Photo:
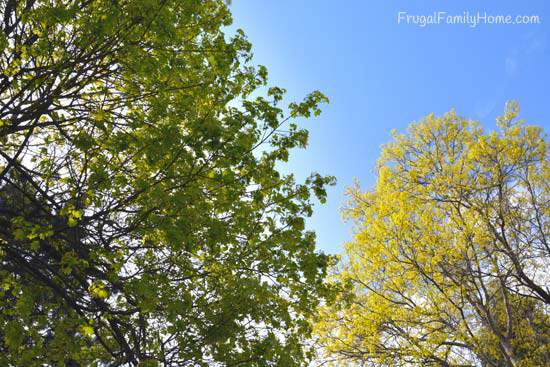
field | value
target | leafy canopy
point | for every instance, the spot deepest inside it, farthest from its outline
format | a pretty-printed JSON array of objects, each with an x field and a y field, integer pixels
[
  {"x": 142, "y": 217},
  {"x": 448, "y": 265}
]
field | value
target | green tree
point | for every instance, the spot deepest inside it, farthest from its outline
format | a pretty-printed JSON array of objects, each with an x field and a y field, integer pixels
[
  {"x": 448, "y": 266},
  {"x": 142, "y": 217}
]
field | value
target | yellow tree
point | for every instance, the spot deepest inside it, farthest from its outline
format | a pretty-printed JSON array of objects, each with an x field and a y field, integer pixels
[{"x": 447, "y": 265}]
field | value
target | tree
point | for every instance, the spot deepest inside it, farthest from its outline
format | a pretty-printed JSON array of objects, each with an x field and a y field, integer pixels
[
  {"x": 142, "y": 217},
  {"x": 449, "y": 262}
]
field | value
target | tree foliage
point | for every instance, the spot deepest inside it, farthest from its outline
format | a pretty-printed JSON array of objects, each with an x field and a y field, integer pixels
[
  {"x": 143, "y": 220},
  {"x": 449, "y": 262}
]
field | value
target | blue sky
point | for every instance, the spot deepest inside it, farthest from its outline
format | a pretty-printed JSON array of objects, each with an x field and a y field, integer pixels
[{"x": 381, "y": 75}]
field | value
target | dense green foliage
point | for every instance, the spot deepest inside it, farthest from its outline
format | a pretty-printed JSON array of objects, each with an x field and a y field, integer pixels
[{"x": 142, "y": 217}]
